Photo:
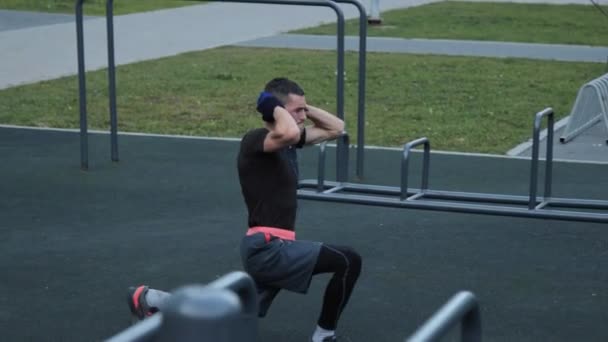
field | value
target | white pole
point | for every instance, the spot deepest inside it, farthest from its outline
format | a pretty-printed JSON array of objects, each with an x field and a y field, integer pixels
[{"x": 374, "y": 13}]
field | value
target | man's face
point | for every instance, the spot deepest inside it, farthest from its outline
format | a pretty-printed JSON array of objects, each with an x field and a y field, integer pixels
[{"x": 296, "y": 106}]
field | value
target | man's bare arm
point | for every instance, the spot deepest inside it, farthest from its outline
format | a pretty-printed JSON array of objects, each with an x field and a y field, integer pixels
[
  {"x": 283, "y": 131},
  {"x": 326, "y": 126}
]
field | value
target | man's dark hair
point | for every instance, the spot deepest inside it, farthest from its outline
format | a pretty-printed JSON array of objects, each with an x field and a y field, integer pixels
[{"x": 281, "y": 87}]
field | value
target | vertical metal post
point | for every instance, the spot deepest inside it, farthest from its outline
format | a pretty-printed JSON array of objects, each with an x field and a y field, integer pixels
[
  {"x": 341, "y": 149},
  {"x": 425, "y": 166},
  {"x": 82, "y": 90},
  {"x": 405, "y": 165},
  {"x": 549, "y": 157},
  {"x": 534, "y": 162},
  {"x": 112, "y": 80},
  {"x": 361, "y": 84},
  {"x": 361, "y": 96},
  {"x": 343, "y": 169},
  {"x": 321, "y": 167}
]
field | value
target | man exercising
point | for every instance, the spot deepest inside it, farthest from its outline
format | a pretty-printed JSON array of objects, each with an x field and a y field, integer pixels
[{"x": 268, "y": 174}]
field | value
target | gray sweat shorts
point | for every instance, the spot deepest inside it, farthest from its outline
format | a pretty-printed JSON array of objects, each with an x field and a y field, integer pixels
[{"x": 279, "y": 264}]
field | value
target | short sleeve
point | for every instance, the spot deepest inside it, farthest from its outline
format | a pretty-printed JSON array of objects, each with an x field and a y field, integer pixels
[{"x": 253, "y": 141}]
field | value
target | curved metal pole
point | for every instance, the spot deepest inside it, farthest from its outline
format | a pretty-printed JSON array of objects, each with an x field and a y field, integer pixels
[
  {"x": 342, "y": 151},
  {"x": 243, "y": 285},
  {"x": 82, "y": 90},
  {"x": 548, "y": 112},
  {"x": 361, "y": 83},
  {"x": 405, "y": 167}
]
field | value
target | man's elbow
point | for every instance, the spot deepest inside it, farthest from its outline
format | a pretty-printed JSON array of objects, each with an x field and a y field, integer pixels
[
  {"x": 338, "y": 130},
  {"x": 291, "y": 136},
  {"x": 341, "y": 127}
]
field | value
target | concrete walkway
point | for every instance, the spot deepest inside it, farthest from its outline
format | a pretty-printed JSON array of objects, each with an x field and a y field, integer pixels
[
  {"x": 152, "y": 35},
  {"x": 568, "y": 53}
]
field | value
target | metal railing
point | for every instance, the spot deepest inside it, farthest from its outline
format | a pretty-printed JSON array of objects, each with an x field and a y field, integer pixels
[
  {"x": 222, "y": 311},
  {"x": 462, "y": 308},
  {"x": 590, "y": 106},
  {"x": 467, "y": 202},
  {"x": 84, "y": 157}
]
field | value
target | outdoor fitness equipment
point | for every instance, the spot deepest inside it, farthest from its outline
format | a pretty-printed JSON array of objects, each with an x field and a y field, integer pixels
[
  {"x": 84, "y": 158},
  {"x": 468, "y": 202},
  {"x": 222, "y": 311}
]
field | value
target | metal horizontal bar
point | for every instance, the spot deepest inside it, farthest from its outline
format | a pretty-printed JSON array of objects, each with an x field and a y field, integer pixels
[
  {"x": 454, "y": 207},
  {"x": 462, "y": 308},
  {"x": 462, "y": 196},
  {"x": 578, "y": 203}
]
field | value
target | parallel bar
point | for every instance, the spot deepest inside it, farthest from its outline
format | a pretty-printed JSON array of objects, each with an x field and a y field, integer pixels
[
  {"x": 82, "y": 88},
  {"x": 461, "y": 308},
  {"x": 460, "y": 196},
  {"x": 422, "y": 198},
  {"x": 455, "y": 207},
  {"x": 405, "y": 165},
  {"x": 342, "y": 150},
  {"x": 578, "y": 203}
]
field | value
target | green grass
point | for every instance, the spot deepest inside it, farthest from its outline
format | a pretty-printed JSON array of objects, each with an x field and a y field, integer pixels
[
  {"x": 93, "y": 7},
  {"x": 533, "y": 23},
  {"x": 461, "y": 104}
]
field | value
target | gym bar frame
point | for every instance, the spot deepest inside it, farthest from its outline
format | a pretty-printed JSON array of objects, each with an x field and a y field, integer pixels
[
  {"x": 84, "y": 159},
  {"x": 466, "y": 202}
]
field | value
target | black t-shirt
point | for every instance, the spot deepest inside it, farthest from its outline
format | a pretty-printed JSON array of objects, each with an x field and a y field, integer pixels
[{"x": 268, "y": 182}]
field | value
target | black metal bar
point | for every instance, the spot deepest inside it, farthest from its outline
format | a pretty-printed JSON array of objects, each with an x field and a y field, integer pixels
[
  {"x": 405, "y": 165},
  {"x": 82, "y": 90},
  {"x": 578, "y": 203},
  {"x": 462, "y": 308},
  {"x": 535, "y": 148},
  {"x": 549, "y": 155},
  {"x": 344, "y": 141},
  {"x": 341, "y": 151},
  {"x": 460, "y": 196},
  {"x": 321, "y": 167},
  {"x": 454, "y": 207},
  {"x": 361, "y": 83},
  {"x": 112, "y": 80}
]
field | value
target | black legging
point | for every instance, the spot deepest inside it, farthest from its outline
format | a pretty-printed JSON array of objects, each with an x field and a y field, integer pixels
[{"x": 345, "y": 264}]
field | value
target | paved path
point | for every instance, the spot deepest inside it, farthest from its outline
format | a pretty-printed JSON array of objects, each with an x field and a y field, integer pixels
[
  {"x": 14, "y": 20},
  {"x": 569, "y": 53},
  {"x": 152, "y": 35}
]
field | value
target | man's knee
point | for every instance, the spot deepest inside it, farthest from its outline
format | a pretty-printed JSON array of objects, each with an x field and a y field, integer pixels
[{"x": 354, "y": 259}]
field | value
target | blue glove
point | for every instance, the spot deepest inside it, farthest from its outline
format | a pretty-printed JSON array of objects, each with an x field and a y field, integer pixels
[{"x": 266, "y": 105}]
